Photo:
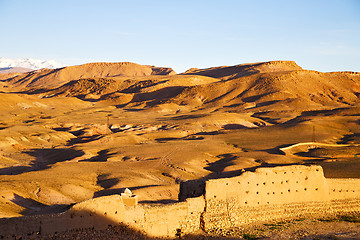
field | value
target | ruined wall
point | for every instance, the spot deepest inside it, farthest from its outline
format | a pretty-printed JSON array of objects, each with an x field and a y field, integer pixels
[
  {"x": 191, "y": 189},
  {"x": 268, "y": 194},
  {"x": 343, "y": 188},
  {"x": 279, "y": 185},
  {"x": 278, "y": 193},
  {"x": 99, "y": 213},
  {"x": 95, "y": 213},
  {"x": 168, "y": 220}
]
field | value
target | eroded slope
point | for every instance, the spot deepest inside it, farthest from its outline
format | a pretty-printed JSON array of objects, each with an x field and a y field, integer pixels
[{"x": 110, "y": 127}]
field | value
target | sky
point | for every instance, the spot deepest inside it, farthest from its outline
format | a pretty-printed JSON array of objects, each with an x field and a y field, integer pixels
[{"x": 322, "y": 35}]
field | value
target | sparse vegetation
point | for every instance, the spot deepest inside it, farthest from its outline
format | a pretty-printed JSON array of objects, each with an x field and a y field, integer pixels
[
  {"x": 249, "y": 236},
  {"x": 354, "y": 218},
  {"x": 350, "y": 218},
  {"x": 56, "y": 132}
]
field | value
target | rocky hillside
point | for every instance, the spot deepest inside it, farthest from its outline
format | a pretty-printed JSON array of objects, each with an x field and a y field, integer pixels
[
  {"x": 276, "y": 85},
  {"x": 231, "y": 72},
  {"x": 15, "y": 70},
  {"x": 53, "y": 78}
]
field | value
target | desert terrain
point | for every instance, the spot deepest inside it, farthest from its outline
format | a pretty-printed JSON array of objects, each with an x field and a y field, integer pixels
[{"x": 81, "y": 132}]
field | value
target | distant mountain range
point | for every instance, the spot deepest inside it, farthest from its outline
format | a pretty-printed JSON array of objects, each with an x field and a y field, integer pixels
[
  {"x": 28, "y": 63},
  {"x": 266, "y": 86},
  {"x": 53, "y": 78},
  {"x": 15, "y": 70}
]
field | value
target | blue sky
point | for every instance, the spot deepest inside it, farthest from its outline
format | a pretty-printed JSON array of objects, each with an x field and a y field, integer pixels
[{"x": 322, "y": 35}]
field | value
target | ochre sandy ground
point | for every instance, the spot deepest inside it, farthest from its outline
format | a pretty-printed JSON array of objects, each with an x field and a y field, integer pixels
[{"x": 99, "y": 135}]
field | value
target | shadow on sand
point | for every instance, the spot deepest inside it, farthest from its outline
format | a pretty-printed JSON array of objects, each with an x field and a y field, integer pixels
[
  {"x": 32, "y": 207},
  {"x": 44, "y": 159},
  {"x": 102, "y": 156},
  {"x": 217, "y": 168}
]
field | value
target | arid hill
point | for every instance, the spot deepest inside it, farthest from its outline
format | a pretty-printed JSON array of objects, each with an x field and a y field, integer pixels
[
  {"x": 300, "y": 89},
  {"x": 15, "y": 70},
  {"x": 75, "y": 133},
  {"x": 52, "y": 78},
  {"x": 11, "y": 72},
  {"x": 231, "y": 72},
  {"x": 258, "y": 86},
  {"x": 112, "y": 87}
]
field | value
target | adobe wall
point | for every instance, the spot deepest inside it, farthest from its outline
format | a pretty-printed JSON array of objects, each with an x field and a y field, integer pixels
[
  {"x": 279, "y": 185},
  {"x": 191, "y": 189},
  {"x": 99, "y": 213},
  {"x": 343, "y": 188},
  {"x": 268, "y": 194},
  {"x": 168, "y": 220},
  {"x": 279, "y": 193},
  {"x": 95, "y": 213}
]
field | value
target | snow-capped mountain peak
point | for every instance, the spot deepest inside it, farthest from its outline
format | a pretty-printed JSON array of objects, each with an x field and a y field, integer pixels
[{"x": 29, "y": 63}]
